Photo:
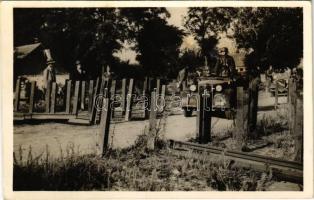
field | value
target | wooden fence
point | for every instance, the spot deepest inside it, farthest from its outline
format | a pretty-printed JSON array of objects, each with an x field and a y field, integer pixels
[{"x": 81, "y": 100}]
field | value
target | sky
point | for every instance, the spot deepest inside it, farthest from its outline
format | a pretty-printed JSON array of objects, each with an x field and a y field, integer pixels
[{"x": 176, "y": 19}]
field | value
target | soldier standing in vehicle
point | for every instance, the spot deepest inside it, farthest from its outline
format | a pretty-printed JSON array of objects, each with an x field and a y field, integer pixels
[{"x": 225, "y": 65}]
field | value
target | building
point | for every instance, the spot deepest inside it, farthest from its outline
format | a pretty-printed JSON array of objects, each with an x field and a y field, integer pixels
[{"x": 30, "y": 62}]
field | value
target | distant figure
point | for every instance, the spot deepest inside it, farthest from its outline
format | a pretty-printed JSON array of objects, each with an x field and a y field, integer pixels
[
  {"x": 49, "y": 74},
  {"x": 182, "y": 75},
  {"x": 269, "y": 76},
  {"x": 225, "y": 65},
  {"x": 78, "y": 74},
  {"x": 107, "y": 73}
]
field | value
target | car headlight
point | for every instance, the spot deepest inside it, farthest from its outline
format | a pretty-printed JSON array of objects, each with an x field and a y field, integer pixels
[
  {"x": 218, "y": 88},
  {"x": 193, "y": 88}
]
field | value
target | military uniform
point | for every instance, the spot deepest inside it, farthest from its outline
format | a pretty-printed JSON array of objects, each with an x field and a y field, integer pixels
[{"x": 225, "y": 66}]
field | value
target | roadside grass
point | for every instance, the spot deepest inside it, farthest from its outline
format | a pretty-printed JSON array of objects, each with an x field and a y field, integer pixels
[{"x": 134, "y": 169}]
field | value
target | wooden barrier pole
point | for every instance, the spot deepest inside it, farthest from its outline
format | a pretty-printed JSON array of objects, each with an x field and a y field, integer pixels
[
  {"x": 129, "y": 101},
  {"x": 68, "y": 97},
  {"x": 104, "y": 140},
  {"x": 152, "y": 131},
  {"x": 53, "y": 97},
  {"x": 90, "y": 95},
  {"x": 83, "y": 95},
  {"x": 48, "y": 88},
  {"x": 31, "y": 97},
  {"x": 276, "y": 95},
  {"x": 123, "y": 95},
  {"x": 75, "y": 98},
  {"x": 17, "y": 94}
]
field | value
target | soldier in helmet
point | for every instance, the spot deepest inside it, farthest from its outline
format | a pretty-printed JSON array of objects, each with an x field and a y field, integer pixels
[{"x": 225, "y": 65}]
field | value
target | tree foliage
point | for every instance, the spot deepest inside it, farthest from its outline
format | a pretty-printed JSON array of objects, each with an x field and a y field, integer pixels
[
  {"x": 206, "y": 24},
  {"x": 93, "y": 35},
  {"x": 273, "y": 35}
]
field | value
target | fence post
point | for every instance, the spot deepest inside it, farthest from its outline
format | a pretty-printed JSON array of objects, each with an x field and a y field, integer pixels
[
  {"x": 129, "y": 101},
  {"x": 241, "y": 118},
  {"x": 93, "y": 108},
  {"x": 68, "y": 97},
  {"x": 101, "y": 92},
  {"x": 104, "y": 138},
  {"x": 204, "y": 116},
  {"x": 123, "y": 93},
  {"x": 144, "y": 96},
  {"x": 31, "y": 97},
  {"x": 157, "y": 87},
  {"x": 48, "y": 88},
  {"x": 298, "y": 130},
  {"x": 152, "y": 131},
  {"x": 276, "y": 95},
  {"x": 83, "y": 95},
  {"x": 90, "y": 95},
  {"x": 53, "y": 97},
  {"x": 17, "y": 94},
  {"x": 163, "y": 96},
  {"x": 75, "y": 98},
  {"x": 112, "y": 95},
  {"x": 252, "y": 106}
]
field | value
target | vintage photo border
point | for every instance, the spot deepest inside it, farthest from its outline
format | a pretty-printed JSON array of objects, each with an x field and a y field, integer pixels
[{"x": 6, "y": 72}]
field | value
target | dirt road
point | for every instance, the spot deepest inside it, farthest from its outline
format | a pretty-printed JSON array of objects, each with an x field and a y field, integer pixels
[{"x": 61, "y": 137}]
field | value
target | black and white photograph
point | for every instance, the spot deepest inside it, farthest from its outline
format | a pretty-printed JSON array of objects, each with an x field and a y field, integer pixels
[{"x": 158, "y": 98}]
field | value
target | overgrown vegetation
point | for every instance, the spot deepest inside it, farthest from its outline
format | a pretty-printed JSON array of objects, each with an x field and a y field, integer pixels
[{"x": 135, "y": 169}]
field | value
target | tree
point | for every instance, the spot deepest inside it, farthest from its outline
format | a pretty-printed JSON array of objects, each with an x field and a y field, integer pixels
[
  {"x": 91, "y": 35},
  {"x": 156, "y": 42},
  {"x": 274, "y": 36},
  {"x": 205, "y": 24},
  {"x": 158, "y": 46}
]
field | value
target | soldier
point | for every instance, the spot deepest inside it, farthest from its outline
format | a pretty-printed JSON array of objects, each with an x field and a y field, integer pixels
[
  {"x": 225, "y": 65},
  {"x": 78, "y": 74},
  {"x": 49, "y": 74}
]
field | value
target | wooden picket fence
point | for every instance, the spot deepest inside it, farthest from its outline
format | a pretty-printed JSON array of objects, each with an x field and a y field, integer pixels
[{"x": 78, "y": 100}]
